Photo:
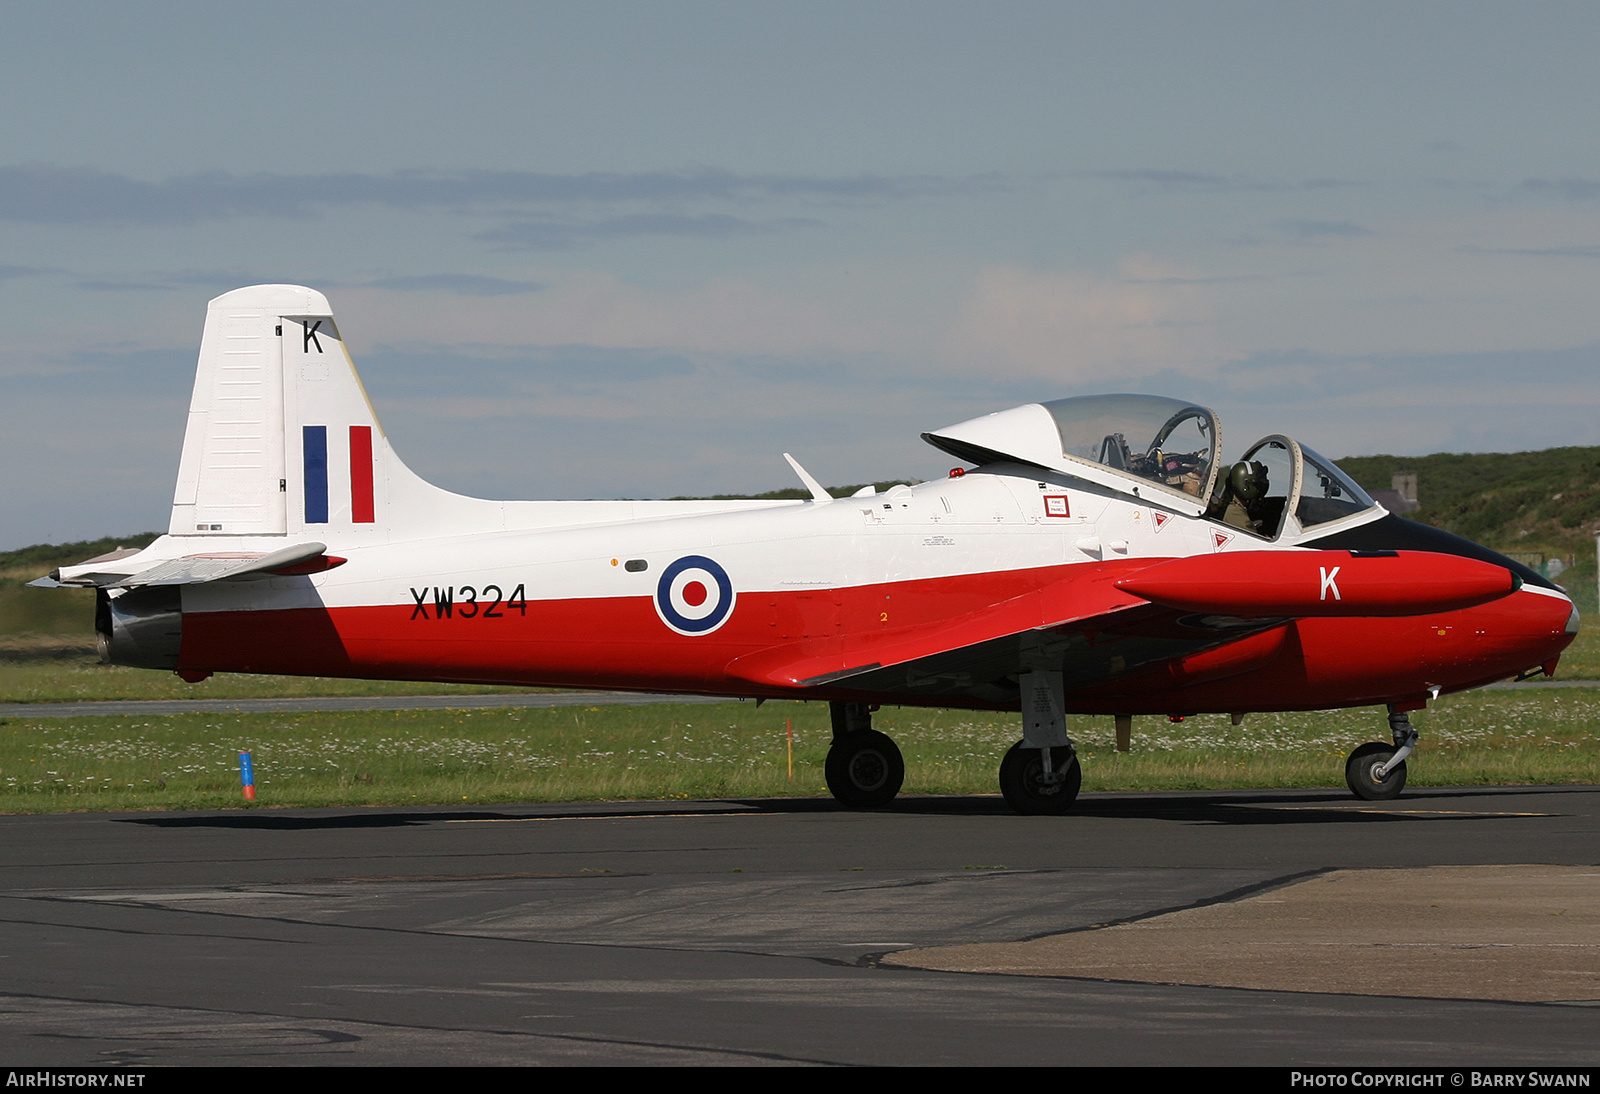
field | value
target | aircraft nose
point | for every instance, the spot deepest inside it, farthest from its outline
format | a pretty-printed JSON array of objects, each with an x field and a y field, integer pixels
[{"x": 1544, "y": 626}]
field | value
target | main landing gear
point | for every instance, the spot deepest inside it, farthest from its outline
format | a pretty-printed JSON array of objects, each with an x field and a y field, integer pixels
[
  {"x": 1377, "y": 772},
  {"x": 1040, "y": 775},
  {"x": 1040, "y": 781},
  {"x": 864, "y": 768}
]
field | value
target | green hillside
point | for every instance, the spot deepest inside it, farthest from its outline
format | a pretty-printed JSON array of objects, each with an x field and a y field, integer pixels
[
  {"x": 1535, "y": 502},
  {"x": 796, "y": 493},
  {"x": 35, "y": 617}
]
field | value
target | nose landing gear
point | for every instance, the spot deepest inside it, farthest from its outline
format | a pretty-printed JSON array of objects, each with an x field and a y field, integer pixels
[{"x": 1377, "y": 772}]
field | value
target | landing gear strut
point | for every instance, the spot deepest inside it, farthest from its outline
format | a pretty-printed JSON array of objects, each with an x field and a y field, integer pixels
[
  {"x": 1377, "y": 772},
  {"x": 864, "y": 768},
  {"x": 1040, "y": 775}
]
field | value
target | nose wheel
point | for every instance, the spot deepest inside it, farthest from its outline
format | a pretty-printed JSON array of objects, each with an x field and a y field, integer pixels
[
  {"x": 1361, "y": 773},
  {"x": 1377, "y": 772}
]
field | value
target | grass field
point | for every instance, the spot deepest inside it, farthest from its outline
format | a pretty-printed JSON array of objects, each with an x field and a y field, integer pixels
[{"x": 735, "y": 750}]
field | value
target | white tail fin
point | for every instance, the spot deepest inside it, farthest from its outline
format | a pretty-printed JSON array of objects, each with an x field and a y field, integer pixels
[{"x": 281, "y": 437}]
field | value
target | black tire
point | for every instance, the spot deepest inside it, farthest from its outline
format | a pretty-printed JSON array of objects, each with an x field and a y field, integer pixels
[
  {"x": 865, "y": 769},
  {"x": 1021, "y": 781},
  {"x": 1363, "y": 783}
]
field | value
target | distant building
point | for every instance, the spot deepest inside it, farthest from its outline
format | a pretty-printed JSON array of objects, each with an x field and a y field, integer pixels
[
  {"x": 1536, "y": 560},
  {"x": 1401, "y": 499}
]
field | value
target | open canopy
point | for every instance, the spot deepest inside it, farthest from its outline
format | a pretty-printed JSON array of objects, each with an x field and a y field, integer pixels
[{"x": 1166, "y": 451}]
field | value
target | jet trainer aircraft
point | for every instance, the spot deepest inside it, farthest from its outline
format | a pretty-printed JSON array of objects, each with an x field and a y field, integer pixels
[{"x": 1099, "y": 558}]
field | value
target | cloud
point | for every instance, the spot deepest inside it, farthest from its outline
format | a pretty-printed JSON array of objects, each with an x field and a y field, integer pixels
[
  {"x": 506, "y": 371},
  {"x": 120, "y": 370},
  {"x": 1566, "y": 189},
  {"x": 11, "y": 273},
  {"x": 460, "y": 284},
  {"x": 550, "y": 235},
  {"x": 47, "y": 194},
  {"x": 1196, "y": 182},
  {"x": 175, "y": 280},
  {"x": 1071, "y": 327},
  {"x": 1219, "y": 279},
  {"x": 1591, "y": 251},
  {"x": 1322, "y": 229},
  {"x": 125, "y": 286},
  {"x": 720, "y": 315},
  {"x": 219, "y": 280}
]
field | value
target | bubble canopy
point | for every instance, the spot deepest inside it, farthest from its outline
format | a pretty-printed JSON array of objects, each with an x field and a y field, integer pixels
[
  {"x": 1167, "y": 452},
  {"x": 1146, "y": 440}
]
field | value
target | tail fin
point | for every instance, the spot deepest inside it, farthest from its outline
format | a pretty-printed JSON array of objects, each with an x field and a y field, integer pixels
[{"x": 282, "y": 439}]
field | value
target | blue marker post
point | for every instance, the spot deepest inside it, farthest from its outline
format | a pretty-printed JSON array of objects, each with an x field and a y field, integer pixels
[{"x": 246, "y": 777}]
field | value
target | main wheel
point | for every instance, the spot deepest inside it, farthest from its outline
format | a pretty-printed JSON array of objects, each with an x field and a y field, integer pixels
[
  {"x": 1362, "y": 778},
  {"x": 864, "y": 769},
  {"x": 1022, "y": 780}
]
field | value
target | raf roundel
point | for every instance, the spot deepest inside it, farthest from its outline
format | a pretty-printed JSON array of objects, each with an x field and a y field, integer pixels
[{"x": 694, "y": 595}]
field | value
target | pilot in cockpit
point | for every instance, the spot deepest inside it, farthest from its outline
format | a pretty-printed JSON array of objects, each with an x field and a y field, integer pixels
[{"x": 1237, "y": 503}]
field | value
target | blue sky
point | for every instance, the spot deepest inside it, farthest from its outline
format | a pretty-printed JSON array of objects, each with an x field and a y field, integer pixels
[{"x": 602, "y": 250}]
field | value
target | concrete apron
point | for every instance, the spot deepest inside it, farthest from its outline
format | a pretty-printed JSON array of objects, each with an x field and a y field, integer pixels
[{"x": 1517, "y": 933}]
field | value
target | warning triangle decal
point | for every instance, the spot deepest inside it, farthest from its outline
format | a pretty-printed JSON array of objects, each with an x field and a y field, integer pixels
[
  {"x": 1160, "y": 518},
  {"x": 1221, "y": 538}
]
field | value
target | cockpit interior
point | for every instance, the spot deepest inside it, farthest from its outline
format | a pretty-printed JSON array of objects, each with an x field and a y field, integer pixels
[{"x": 1273, "y": 478}]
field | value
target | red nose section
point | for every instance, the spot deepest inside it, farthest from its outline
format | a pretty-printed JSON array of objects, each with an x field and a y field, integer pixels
[{"x": 1321, "y": 583}]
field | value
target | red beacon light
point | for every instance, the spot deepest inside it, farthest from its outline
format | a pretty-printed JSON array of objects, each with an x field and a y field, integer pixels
[{"x": 957, "y": 472}]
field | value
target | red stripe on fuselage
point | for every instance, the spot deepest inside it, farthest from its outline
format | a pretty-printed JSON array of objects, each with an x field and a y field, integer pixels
[
  {"x": 620, "y": 642},
  {"x": 615, "y": 641}
]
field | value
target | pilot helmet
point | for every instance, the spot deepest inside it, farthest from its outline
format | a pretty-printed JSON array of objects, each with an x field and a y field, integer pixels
[{"x": 1248, "y": 479}]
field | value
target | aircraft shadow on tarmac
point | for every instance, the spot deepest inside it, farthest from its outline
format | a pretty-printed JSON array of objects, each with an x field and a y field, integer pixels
[{"x": 1231, "y": 808}]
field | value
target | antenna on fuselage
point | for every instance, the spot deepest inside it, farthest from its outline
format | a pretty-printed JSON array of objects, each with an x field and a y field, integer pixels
[{"x": 818, "y": 494}]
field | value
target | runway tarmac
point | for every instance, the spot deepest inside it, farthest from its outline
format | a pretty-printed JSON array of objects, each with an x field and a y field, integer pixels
[{"x": 751, "y": 932}]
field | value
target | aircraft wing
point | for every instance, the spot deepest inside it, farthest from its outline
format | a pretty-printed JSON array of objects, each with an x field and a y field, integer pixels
[
  {"x": 303, "y": 558},
  {"x": 1189, "y": 618},
  {"x": 973, "y": 655}
]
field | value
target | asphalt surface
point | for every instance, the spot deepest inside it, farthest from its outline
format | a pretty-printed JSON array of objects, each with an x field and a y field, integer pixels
[
  {"x": 1512, "y": 933},
  {"x": 758, "y": 932}
]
